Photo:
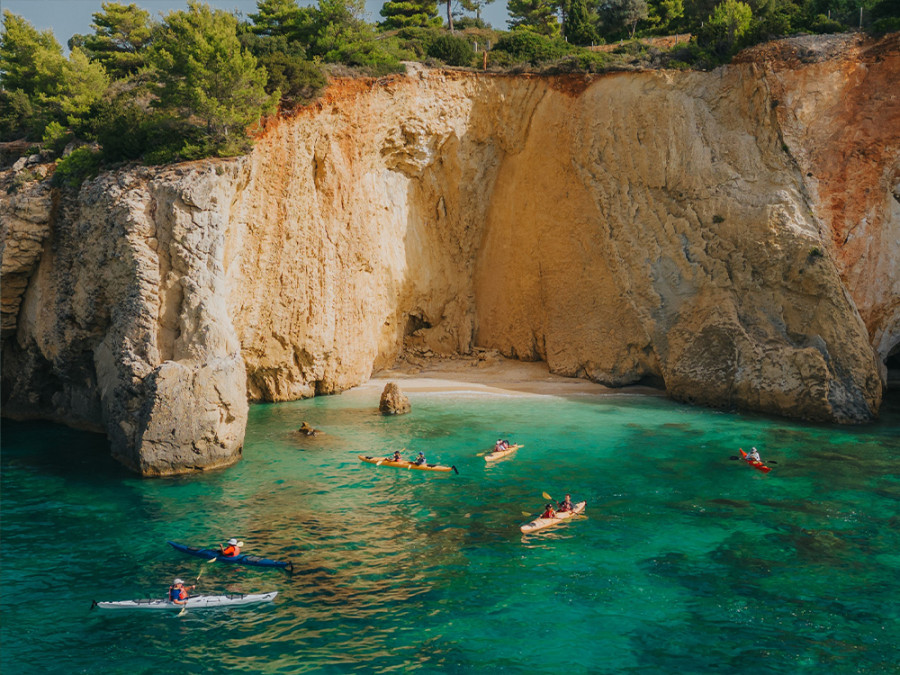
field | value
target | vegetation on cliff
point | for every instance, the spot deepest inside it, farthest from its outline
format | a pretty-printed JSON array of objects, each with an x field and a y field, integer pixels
[{"x": 198, "y": 82}]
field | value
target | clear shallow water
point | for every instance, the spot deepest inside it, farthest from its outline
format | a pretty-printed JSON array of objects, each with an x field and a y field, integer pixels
[{"x": 687, "y": 562}]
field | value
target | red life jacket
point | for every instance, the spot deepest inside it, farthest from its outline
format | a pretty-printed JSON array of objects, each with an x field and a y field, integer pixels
[{"x": 231, "y": 551}]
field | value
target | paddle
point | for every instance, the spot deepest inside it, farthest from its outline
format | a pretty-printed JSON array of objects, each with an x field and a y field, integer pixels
[{"x": 200, "y": 574}]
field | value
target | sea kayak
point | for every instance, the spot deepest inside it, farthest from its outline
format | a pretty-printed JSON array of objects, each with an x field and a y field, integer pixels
[
  {"x": 193, "y": 602},
  {"x": 759, "y": 466},
  {"x": 491, "y": 456},
  {"x": 541, "y": 523},
  {"x": 241, "y": 559},
  {"x": 404, "y": 464}
]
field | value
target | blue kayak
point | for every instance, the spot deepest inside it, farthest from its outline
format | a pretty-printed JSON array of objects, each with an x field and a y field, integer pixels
[{"x": 241, "y": 559}]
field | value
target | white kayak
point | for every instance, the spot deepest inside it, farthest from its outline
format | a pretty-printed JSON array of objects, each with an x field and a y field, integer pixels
[
  {"x": 491, "y": 456},
  {"x": 193, "y": 602},
  {"x": 541, "y": 523}
]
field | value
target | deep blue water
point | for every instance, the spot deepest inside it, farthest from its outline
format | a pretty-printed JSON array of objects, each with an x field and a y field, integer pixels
[{"x": 688, "y": 561}]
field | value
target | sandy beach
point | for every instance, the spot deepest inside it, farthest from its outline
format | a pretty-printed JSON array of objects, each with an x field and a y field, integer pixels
[{"x": 489, "y": 373}]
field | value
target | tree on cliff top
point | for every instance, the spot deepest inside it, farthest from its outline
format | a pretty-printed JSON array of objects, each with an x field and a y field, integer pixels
[
  {"x": 120, "y": 35},
  {"x": 409, "y": 14},
  {"x": 538, "y": 16},
  {"x": 204, "y": 73},
  {"x": 39, "y": 84}
]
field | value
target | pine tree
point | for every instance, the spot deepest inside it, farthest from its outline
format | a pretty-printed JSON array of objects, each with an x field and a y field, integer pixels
[
  {"x": 206, "y": 74},
  {"x": 535, "y": 15},
  {"x": 409, "y": 13},
  {"x": 120, "y": 36}
]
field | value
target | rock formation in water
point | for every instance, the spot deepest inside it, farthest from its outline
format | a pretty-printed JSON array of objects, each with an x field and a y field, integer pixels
[
  {"x": 393, "y": 401},
  {"x": 732, "y": 235}
]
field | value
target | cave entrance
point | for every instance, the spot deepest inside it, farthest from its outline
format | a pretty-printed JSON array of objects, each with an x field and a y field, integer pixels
[{"x": 892, "y": 363}]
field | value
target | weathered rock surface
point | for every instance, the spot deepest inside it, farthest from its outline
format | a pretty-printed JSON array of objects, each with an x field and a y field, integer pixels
[
  {"x": 123, "y": 327},
  {"x": 393, "y": 401},
  {"x": 732, "y": 235}
]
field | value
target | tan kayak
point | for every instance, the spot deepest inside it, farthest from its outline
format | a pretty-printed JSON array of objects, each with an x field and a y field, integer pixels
[
  {"x": 404, "y": 464},
  {"x": 490, "y": 457},
  {"x": 541, "y": 523}
]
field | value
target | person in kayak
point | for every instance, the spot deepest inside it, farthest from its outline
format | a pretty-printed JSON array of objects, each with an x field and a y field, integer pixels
[
  {"x": 549, "y": 512},
  {"x": 396, "y": 457},
  {"x": 232, "y": 549},
  {"x": 500, "y": 445},
  {"x": 178, "y": 592},
  {"x": 420, "y": 460},
  {"x": 566, "y": 504},
  {"x": 753, "y": 456}
]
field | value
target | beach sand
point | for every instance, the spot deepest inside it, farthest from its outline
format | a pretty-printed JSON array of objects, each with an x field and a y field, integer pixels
[{"x": 488, "y": 372}]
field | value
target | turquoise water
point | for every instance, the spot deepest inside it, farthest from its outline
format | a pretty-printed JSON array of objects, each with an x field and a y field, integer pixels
[{"x": 688, "y": 562}]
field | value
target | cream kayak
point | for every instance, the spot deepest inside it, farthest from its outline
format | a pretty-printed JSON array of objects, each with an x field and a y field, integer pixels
[
  {"x": 541, "y": 523},
  {"x": 193, "y": 602},
  {"x": 404, "y": 464},
  {"x": 491, "y": 456}
]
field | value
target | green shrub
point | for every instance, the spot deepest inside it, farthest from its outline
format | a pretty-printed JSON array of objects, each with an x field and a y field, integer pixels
[
  {"x": 81, "y": 164},
  {"x": 823, "y": 25},
  {"x": 418, "y": 40},
  {"x": 452, "y": 50},
  {"x": 525, "y": 46},
  {"x": 56, "y": 137},
  {"x": 889, "y": 24},
  {"x": 298, "y": 80}
]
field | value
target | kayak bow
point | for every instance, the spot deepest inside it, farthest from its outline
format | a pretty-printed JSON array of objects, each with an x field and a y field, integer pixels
[
  {"x": 240, "y": 559},
  {"x": 194, "y": 602},
  {"x": 541, "y": 523}
]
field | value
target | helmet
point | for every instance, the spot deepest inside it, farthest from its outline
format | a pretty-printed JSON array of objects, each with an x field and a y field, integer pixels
[
  {"x": 233, "y": 542},
  {"x": 177, "y": 581},
  {"x": 421, "y": 454}
]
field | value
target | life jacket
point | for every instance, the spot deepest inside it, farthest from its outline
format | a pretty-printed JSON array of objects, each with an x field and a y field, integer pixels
[
  {"x": 177, "y": 594},
  {"x": 549, "y": 513},
  {"x": 231, "y": 551},
  {"x": 565, "y": 506}
]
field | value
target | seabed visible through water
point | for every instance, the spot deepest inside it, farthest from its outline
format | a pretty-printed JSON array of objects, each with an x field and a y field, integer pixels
[{"x": 687, "y": 561}]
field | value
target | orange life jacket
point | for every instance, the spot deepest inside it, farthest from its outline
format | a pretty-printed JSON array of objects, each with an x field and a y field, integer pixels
[{"x": 231, "y": 551}]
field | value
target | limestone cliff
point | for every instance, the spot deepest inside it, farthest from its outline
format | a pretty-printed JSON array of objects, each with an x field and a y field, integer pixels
[{"x": 659, "y": 226}]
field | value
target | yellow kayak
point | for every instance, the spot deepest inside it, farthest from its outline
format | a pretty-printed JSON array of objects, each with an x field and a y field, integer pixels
[
  {"x": 541, "y": 523},
  {"x": 491, "y": 456},
  {"x": 404, "y": 464}
]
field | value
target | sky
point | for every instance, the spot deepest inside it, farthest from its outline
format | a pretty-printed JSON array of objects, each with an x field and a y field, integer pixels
[{"x": 68, "y": 17}]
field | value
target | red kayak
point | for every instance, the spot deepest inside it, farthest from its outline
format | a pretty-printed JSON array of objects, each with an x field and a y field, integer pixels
[{"x": 759, "y": 466}]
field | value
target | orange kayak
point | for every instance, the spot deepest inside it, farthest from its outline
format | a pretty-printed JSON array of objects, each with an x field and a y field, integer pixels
[
  {"x": 404, "y": 464},
  {"x": 759, "y": 466}
]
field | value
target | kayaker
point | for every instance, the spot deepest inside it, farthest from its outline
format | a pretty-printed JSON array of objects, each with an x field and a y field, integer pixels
[
  {"x": 753, "y": 456},
  {"x": 396, "y": 457},
  {"x": 566, "y": 504},
  {"x": 548, "y": 512},
  {"x": 500, "y": 445},
  {"x": 232, "y": 549},
  {"x": 178, "y": 592},
  {"x": 420, "y": 460}
]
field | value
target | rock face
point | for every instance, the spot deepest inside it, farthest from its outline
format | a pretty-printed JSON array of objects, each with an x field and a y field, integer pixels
[
  {"x": 732, "y": 235},
  {"x": 393, "y": 401},
  {"x": 123, "y": 327}
]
